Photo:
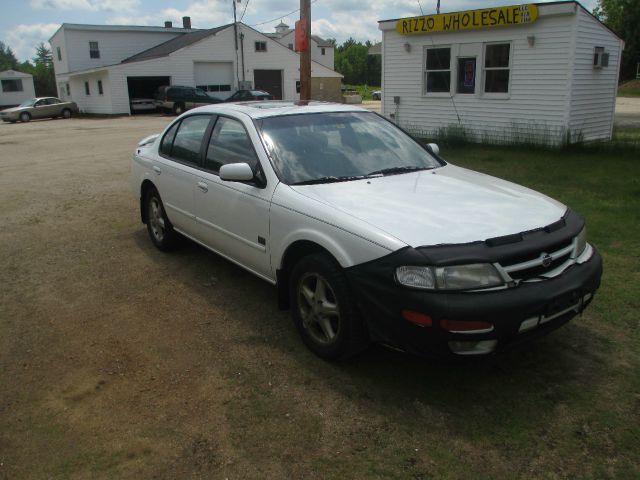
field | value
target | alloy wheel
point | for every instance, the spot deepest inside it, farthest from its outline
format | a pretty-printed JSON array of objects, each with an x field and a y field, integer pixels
[{"x": 318, "y": 308}]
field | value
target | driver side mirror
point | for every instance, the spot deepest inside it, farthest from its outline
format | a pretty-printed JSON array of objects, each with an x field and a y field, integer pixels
[
  {"x": 236, "y": 172},
  {"x": 433, "y": 148}
]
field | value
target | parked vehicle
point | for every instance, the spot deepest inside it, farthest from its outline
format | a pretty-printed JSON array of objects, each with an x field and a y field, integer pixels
[
  {"x": 368, "y": 234},
  {"x": 41, "y": 107},
  {"x": 377, "y": 95},
  {"x": 249, "y": 95},
  {"x": 178, "y": 99},
  {"x": 143, "y": 105}
]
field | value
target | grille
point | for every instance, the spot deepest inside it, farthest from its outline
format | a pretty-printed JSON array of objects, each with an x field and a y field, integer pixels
[{"x": 532, "y": 266}]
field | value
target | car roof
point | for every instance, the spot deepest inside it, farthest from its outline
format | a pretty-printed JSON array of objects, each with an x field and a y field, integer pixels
[{"x": 275, "y": 108}]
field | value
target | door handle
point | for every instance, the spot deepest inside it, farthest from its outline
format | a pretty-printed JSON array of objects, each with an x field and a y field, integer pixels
[
  {"x": 203, "y": 186},
  {"x": 157, "y": 170}
]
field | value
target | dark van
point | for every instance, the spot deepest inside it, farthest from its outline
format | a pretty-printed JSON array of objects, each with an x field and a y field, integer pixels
[{"x": 178, "y": 99}]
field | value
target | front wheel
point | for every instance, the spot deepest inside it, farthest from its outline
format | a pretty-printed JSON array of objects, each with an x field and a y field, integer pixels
[
  {"x": 161, "y": 232},
  {"x": 324, "y": 310},
  {"x": 25, "y": 117}
]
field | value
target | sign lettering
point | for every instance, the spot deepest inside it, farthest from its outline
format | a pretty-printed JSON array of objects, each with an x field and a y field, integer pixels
[{"x": 487, "y": 18}]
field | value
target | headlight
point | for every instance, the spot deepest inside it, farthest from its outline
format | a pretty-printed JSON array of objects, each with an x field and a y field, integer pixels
[
  {"x": 581, "y": 241},
  {"x": 417, "y": 277},
  {"x": 456, "y": 277}
]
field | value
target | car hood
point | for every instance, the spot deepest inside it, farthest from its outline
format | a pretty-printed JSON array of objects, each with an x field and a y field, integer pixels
[
  {"x": 447, "y": 205},
  {"x": 13, "y": 109}
]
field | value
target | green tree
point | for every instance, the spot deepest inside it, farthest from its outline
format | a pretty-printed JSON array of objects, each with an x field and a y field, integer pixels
[
  {"x": 8, "y": 60},
  {"x": 623, "y": 17},
  {"x": 43, "y": 55},
  {"x": 352, "y": 60}
]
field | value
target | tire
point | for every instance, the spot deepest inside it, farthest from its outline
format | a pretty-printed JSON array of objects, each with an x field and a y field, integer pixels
[
  {"x": 161, "y": 232},
  {"x": 66, "y": 113},
  {"x": 25, "y": 117},
  {"x": 178, "y": 109},
  {"x": 323, "y": 309}
]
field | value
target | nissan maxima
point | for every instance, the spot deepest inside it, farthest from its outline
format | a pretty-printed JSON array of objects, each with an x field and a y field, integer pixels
[{"x": 367, "y": 234}]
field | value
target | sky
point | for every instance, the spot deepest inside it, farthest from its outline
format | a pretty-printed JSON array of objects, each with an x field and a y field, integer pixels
[{"x": 25, "y": 23}]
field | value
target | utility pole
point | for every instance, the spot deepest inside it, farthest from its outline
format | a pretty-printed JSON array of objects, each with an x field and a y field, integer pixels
[
  {"x": 438, "y": 7},
  {"x": 235, "y": 37},
  {"x": 305, "y": 54}
]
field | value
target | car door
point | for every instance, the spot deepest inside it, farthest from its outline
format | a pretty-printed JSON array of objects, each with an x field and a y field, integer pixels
[
  {"x": 175, "y": 169},
  {"x": 40, "y": 109},
  {"x": 233, "y": 217}
]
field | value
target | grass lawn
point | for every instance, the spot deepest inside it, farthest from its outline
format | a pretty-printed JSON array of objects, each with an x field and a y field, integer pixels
[
  {"x": 629, "y": 89},
  {"x": 574, "y": 410}
]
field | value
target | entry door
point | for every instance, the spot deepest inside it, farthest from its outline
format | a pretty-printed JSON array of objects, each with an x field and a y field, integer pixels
[
  {"x": 269, "y": 81},
  {"x": 233, "y": 217}
]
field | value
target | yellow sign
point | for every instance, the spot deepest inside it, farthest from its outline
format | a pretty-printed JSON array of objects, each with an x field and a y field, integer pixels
[{"x": 451, "y": 22}]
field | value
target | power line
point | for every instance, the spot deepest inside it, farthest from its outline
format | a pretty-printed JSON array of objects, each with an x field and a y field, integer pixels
[
  {"x": 244, "y": 10},
  {"x": 420, "y": 5},
  {"x": 279, "y": 16}
]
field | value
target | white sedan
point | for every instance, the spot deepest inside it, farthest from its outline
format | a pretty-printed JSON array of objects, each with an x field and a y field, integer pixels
[{"x": 368, "y": 234}]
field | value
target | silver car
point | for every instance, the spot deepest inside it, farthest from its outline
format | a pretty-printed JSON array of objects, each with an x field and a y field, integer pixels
[{"x": 42, "y": 107}]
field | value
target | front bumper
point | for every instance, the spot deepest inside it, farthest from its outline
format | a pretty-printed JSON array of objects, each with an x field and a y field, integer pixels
[{"x": 517, "y": 314}]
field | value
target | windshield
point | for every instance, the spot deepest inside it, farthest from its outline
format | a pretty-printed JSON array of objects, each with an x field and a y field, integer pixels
[
  {"x": 340, "y": 146},
  {"x": 28, "y": 103}
]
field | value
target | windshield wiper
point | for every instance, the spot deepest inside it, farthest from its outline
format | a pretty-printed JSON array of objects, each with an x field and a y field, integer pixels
[
  {"x": 330, "y": 179},
  {"x": 395, "y": 170}
]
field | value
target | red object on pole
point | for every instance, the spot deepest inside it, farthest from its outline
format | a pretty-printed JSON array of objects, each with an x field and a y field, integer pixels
[{"x": 302, "y": 43}]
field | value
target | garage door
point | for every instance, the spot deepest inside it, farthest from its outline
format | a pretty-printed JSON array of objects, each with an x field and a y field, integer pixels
[
  {"x": 214, "y": 77},
  {"x": 269, "y": 81}
]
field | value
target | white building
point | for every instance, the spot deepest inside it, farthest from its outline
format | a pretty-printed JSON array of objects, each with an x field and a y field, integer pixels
[
  {"x": 102, "y": 67},
  {"x": 322, "y": 51},
  {"x": 15, "y": 88},
  {"x": 543, "y": 73}
]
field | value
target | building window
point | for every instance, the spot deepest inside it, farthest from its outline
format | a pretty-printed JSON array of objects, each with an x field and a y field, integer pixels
[
  {"x": 59, "y": 53},
  {"x": 322, "y": 52},
  {"x": 438, "y": 70},
  {"x": 496, "y": 68},
  {"x": 261, "y": 46},
  {"x": 86, "y": 88},
  {"x": 100, "y": 91},
  {"x": 94, "y": 51},
  {"x": 466, "y": 75},
  {"x": 13, "y": 85},
  {"x": 68, "y": 89},
  {"x": 291, "y": 46}
]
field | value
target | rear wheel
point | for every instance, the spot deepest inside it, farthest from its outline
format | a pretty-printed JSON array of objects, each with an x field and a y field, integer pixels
[
  {"x": 178, "y": 109},
  {"x": 159, "y": 227},
  {"x": 66, "y": 113},
  {"x": 25, "y": 117},
  {"x": 323, "y": 308}
]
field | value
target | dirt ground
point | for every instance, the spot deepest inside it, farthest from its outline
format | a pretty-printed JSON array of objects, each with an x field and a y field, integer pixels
[
  {"x": 627, "y": 112},
  {"x": 120, "y": 361}
]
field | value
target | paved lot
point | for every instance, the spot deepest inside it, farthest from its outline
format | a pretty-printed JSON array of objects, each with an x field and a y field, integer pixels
[{"x": 627, "y": 112}]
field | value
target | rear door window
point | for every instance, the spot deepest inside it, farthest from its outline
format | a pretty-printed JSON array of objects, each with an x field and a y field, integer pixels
[{"x": 187, "y": 144}]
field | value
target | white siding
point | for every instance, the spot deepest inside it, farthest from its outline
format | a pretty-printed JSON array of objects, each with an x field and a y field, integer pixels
[
  {"x": 94, "y": 102},
  {"x": 593, "y": 91},
  {"x": 16, "y": 98},
  {"x": 534, "y": 107},
  {"x": 114, "y": 47},
  {"x": 59, "y": 41},
  {"x": 316, "y": 51},
  {"x": 217, "y": 48}
]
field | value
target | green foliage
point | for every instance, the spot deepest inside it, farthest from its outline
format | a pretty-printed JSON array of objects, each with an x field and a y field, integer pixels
[
  {"x": 8, "y": 60},
  {"x": 352, "y": 60},
  {"x": 623, "y": 17},
  {"x": 44, "y": 79}
]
